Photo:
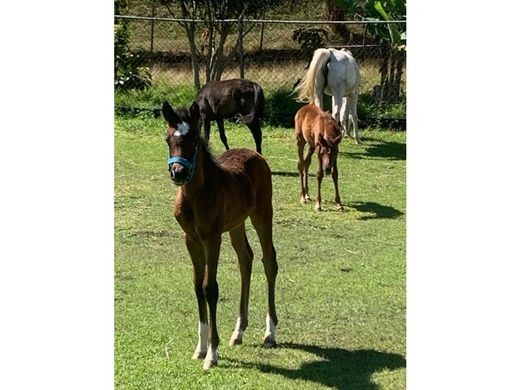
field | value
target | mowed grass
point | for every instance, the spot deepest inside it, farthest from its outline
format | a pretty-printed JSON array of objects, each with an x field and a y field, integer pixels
[{"x": 341, "y": 296}]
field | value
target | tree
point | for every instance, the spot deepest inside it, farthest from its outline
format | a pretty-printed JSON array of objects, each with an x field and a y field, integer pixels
[
  {"x": 214, "y": 32},
  {"x": 393, "y": 36}
]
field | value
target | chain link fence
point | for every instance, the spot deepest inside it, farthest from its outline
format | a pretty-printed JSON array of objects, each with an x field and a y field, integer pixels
[{"x": 273, "y": 53}]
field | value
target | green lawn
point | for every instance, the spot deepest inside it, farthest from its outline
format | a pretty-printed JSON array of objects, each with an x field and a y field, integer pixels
[{"x": 341, "y": 296}]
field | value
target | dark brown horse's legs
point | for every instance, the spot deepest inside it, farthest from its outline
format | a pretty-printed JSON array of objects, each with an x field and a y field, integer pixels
[
  {"x": 255, "y": 129},
  {"x": 222, "y": 133},
  {"x": 197, "y": 255},
  {"x": 210, "y": 287},
  {"x": 245, "y": 261}
]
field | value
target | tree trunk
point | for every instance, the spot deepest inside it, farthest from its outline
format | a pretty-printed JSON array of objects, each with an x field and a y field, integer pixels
[
  {"x": 190, "y": 32},
  {"x": 335, "y": 12}
]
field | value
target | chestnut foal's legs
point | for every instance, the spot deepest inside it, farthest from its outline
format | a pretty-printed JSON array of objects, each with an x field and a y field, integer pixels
[
  {"x": 337, "y": 198},
  {"x": 303, "y": 169},
  {"x": 245, "y": 261},
  {"x": 204, "y": 256},
  {"x": 319, "y": 176},
  {"x": 210, "y": 288},
  {"x": 262, "y": 220},
  {"x": 197, "y": 255}
]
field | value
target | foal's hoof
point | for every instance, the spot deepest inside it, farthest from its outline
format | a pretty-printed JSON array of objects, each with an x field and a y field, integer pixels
[
  {"x": 209, "y": 363},
  {"x": 317, "y": 207},
  {"x": 235, "y": 340},
  {"x": 269, "y": 342},
  {"x": 199, "y": 355},
  {"x": 339, "y": 207}
]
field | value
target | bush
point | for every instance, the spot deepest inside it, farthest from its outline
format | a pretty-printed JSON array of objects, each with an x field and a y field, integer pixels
[{"x": 129, "y": 71}]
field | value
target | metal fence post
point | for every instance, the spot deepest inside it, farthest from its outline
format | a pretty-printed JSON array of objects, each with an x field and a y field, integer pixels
[
  {"x": 241, "y": 44},
  {"x": 153, "y": 26}
]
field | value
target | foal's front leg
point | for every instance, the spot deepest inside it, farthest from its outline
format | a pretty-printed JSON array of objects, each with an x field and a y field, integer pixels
[
  {"x": 210, "y": 288},
  {"x": 300, "y": 144},
  {"x": 196, "y": 251},
  {"x": 307, "y": 163},
  {"x": 337, "y": 199},
  {"x": 319, "y": 176}
]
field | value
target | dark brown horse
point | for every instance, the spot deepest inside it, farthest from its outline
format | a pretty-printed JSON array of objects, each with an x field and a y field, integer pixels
[
  {"x": 217, "y": 196},
  {"x": 219, "y": 100},
  {"x": 317, "y": 129}
]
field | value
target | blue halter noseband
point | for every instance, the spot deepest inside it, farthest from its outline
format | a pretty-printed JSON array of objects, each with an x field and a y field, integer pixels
[{"x": 189, "y": 165}]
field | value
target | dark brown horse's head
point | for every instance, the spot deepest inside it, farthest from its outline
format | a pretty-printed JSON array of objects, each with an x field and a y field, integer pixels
[
  {"x": 328, "y": 143},
  {"x": 183, "y": 138}
]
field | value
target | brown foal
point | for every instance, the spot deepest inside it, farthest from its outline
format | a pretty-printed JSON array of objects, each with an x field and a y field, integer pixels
[
  {"x": 319, "y": 130},
  {"x": 217, "y": 196}
]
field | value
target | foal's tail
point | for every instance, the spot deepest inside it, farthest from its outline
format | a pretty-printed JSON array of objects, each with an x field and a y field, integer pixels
[
  {"x": 258, "y": 107},
  {"x": 305, "y": 88}
]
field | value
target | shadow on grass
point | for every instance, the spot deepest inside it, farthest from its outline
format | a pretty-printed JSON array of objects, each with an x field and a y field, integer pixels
[
  {"x": 375, "y": 210},
  {"x": 287, "y": 174},
  {"x": 379, "y": 149},
  {"x": 340, "y": 368}
]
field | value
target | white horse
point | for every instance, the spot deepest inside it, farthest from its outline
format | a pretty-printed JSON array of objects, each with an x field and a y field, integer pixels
[{"x": 336, "y": 73}]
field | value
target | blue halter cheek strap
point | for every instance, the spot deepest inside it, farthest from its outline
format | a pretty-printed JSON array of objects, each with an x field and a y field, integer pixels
[{"x": 189, "y": 165}]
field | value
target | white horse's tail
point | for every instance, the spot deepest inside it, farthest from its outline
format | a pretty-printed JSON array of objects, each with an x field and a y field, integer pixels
[{"x": 305, "y": 88}]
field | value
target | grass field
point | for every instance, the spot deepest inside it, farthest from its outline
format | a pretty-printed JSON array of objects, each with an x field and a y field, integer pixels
[{"x": 341, "y": 295}]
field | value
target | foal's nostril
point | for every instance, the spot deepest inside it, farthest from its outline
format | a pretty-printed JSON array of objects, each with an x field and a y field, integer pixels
[{"x": 327, "y": 171}]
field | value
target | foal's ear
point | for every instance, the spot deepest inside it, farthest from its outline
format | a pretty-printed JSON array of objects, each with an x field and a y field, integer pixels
[
  {"x": 194, "y": 111},
  {"x": 169, "y": 113}
]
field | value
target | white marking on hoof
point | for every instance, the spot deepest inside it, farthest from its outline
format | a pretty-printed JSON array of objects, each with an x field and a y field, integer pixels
[
  {"x": 317, "y": 207},
  {"x": 202, "y": 345},
  {"x": 211, "y": 358},
  {"x": 238, "y": 334},
  {"x": 270, "y": 333},
  {"x": 182, "y": 129},
  {"x": 339, "y": 207}
]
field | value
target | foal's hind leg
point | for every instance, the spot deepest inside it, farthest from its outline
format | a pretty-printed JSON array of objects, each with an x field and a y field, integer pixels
[
  {"x": 262, "y": 220},
  {"x": 245, "y": 261},
  {"x": 220, "y": 124},
  {"x": 255, "y": 129}
]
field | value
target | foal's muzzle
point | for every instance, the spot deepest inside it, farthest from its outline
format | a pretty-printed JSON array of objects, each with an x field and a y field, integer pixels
[
  {"x": 181, "y": 170},
  {"x": 179, "y": 174}
]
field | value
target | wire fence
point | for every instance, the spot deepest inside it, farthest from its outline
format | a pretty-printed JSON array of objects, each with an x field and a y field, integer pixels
[{"x": 273, "y": 53}]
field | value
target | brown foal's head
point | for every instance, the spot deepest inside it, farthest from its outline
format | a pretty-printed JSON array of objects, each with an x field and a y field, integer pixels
[
  {"x": 183, "y": 138},
  {"x": 328, "y": 144}
]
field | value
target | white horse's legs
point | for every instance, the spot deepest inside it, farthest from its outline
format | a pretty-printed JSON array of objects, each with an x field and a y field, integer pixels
[
  {"x": 352, "y": 110},
  {"x": 345, "y": 124},
  {"x": 336, "y": 107}
]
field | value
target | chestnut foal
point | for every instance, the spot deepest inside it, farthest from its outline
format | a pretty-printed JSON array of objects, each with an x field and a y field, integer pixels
[
  {"x": 317, "y": 129},
  {"x": 216, "y": 196}
]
